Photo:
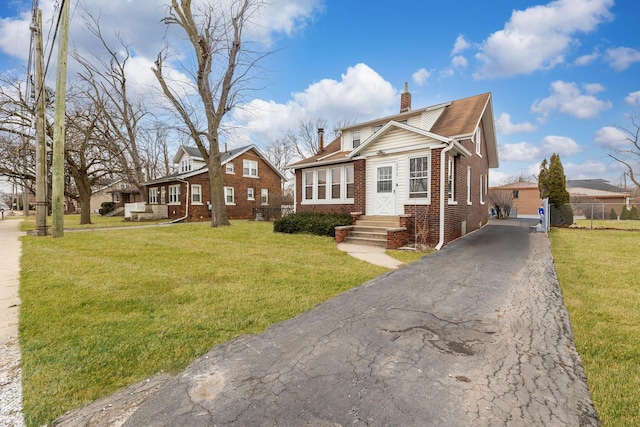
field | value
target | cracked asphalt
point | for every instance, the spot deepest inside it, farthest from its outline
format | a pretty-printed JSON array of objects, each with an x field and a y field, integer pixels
[{"x": 474, "y": 335}]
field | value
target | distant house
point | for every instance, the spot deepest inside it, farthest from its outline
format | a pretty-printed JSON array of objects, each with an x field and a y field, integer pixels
[
  {"x": 251, "y": 185},
  {"x": 597, "y": 197},
  {"x": 116, "y": 192},
  {"x": 526, "y": 198},
  {"x": 426, "y": 171}
]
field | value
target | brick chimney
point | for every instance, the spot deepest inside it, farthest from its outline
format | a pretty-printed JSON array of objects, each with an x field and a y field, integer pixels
[
  {"x": 320, "y": 140},
  {"x": 405, "y": 99}
]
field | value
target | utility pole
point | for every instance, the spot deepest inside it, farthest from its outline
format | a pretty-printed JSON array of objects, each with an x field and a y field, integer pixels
[
  {"x": 41, "y": 138},
  {"x": 57, "y": 214}
]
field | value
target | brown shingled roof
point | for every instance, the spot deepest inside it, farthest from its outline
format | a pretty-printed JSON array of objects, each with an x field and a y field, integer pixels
[
  {"x": 461, "y": 117},
  {"x": 332, "y": 147}
]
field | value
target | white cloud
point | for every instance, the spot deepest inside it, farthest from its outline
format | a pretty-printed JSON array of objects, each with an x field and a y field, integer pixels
[
  {"x": 459, "y": 61},
  {"x": 522, "y": 151},
  {"x": 539, "y": 37},
  {"x": 360, "y": 94},
  {"x": 460, "y": 45},
  {"x": 610, "y": 137},
  {"x": 633, "y": 99},
  {"x": 587, "y": 59},
  {"x": 567, "y": 97},
  {"x": 561, "y": 145},
  {"x": 621, "y": 58},
  {"x": 505, "y": 127},
  {"x": 421, "y": 76},
  {"x": 586, "y": 170},
  {"x": 593, "y": 88}
]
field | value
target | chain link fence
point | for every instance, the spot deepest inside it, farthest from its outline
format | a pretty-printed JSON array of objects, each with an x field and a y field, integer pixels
[{"x": 598, "y": 214}]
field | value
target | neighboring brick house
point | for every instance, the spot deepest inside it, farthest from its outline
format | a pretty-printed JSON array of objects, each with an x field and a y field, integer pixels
[
  {"x": 526, "y": 197},
  {"x": 596, "y": 196},
  {"x": 251, "y": 184},
  {"x": 429, "y": 167}
]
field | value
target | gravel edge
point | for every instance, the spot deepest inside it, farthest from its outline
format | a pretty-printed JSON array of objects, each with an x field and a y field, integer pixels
[{"x": 10, "y": 385}]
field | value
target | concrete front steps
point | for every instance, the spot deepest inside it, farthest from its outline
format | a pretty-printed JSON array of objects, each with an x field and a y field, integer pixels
[{"x": 372, "y": 230}]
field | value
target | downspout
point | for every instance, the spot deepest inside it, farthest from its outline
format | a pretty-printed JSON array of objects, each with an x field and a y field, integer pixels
[
  {"x": 186, "y": 202},
  {"x": 443, "y": 167}
]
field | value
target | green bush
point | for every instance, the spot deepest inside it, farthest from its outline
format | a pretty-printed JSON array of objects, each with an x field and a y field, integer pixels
[
  {"x": 634, "y": 213},
  {"x": 613, "y": 214},
  {"x": 320, "y": 224},
  {"x": 106, "y": 207},
  {"x": 561, "y": 216},
  {"x": 624, "y": 215}
]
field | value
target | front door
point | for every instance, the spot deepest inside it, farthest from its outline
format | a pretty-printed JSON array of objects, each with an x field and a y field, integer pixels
[{"x": 384, "y": 201}]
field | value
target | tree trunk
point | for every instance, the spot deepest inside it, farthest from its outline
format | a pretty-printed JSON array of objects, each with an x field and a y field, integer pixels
[
  {"x": 84, "y": 193},
  {"x": 218, "y": 203}
]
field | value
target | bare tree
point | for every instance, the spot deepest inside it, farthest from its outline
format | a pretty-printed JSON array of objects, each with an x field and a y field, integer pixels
[
  {"x": 106, "y": 78},
  {"x": 87, "y": 161},
  {"x": 223, "y": 68},
  {"x": 501, "y": 201},
  {"x": 629, "y": 154}
]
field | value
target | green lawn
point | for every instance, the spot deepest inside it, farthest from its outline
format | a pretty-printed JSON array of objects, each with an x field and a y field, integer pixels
[
  {"x": 104, "y": 309},
  {"x": 97, "y": 221},
  {"x": 599, "y": 273},
  {"x": 608, "y": 223}
]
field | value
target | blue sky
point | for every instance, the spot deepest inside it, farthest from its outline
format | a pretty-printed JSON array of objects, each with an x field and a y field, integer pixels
[{"x": 563, "y": 74}]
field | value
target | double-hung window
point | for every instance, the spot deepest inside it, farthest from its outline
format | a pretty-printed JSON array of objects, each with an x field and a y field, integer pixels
[
  {"x": 196, "y": 194},
  {"x": 174, "y": 194},
  {"x": 264, "y": 196},
  {"x": 479, "y": 141},
  {"x": 251, "y": 194},
  {"x": 468, "y": 185},
  {"x": 153, "y": 195},
  {"x": 185, "y": 165},
  {"x": 336, "y": 183},
  {"x": 229, "y": 167},
  {"x": 419, "y": 177},
  {"x": 322, "y": 184},
  {"x": 349, "y": 181},
  {"x": 229, "y": 196},
  {"x": 355, "y": 138},
  {"x": 250, "y": 168},
  {"x": 451, "y": 179}
]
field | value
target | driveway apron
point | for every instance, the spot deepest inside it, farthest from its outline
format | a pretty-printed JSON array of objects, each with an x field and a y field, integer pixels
[{"x": 476, "y": 334}]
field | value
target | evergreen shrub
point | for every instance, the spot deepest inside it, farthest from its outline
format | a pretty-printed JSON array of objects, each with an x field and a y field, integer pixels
[
  {"x": 613, "y": 214},
  {"x": 624, "y": 215},
  {"x": 321, "y": 224}
]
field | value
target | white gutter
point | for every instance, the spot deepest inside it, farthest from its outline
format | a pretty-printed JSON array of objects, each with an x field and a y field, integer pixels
[
  {"x": 443, "y": 167},
  {"x": 186, "y": 202}
]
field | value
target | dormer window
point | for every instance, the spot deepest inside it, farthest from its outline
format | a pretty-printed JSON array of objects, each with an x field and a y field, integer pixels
[
  {"x": 356, "y": 138},
  {"x": 185, "y": 165}
]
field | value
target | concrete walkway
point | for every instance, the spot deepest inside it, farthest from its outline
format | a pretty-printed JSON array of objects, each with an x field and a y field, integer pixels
[
  {"x": 10, "y": 386},
  {"x": 476, "y": 334},
  {"x": 371, "y": 254}
]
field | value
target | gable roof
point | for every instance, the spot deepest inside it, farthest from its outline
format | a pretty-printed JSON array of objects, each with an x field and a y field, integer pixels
[
  {"x": 594, "y": 193},
  {"x": 458, "y": 121},
  {"x": 225, "y": 157},
  {"x": 192, "y": 152},
  {"x": 594, "y": 184}
]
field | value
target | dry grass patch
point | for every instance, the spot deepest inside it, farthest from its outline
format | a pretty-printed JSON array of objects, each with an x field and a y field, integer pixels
[
  {"x": 600, "y": 277},
  {"x": 104, "y": 309}
]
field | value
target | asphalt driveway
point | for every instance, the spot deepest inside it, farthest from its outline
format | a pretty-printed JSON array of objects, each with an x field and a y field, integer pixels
[{"x": 476, "y": 334}]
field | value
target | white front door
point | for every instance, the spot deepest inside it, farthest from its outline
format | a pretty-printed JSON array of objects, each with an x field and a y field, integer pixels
[{"x": 384, "y": 200}]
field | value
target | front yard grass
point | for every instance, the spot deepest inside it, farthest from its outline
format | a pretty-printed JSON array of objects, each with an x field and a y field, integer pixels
[
  {"x": 104, "y": 309},
  {"x": 72, "y": 221},
  {"x": 599, "y": 274},
  {"x": 608, "y": 224}
]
